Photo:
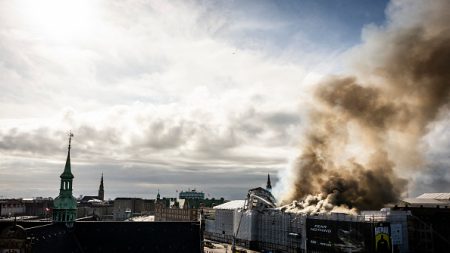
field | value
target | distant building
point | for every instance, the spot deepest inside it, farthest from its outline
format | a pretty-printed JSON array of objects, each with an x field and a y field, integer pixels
[
  {"x": 166, "y": 202},
  {"x": 149, "y": 206},
  {"x": 186, "y": 208},
  {"x": 12, "y": 207},
  {"x": 195, "y": 199},
  {"x": 193, "y": 194},
  {"x": 429, "y": 222},
  {"x": 96, "y": 206},
  {"x": 203, "y": 203},
  {"x": 125, "y": 208},
  {"x": 177, "y": 210},
  {"x": 65, "y": 205},
  {"x": 40, "y": 207},
  {"x": 99, "y": 197},
  {"x": 176, "y": 214},
  {"x": 102, "y": 210}
]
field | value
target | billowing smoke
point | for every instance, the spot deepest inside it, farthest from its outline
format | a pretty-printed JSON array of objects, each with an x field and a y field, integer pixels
[{"x": 365, "y": 129}]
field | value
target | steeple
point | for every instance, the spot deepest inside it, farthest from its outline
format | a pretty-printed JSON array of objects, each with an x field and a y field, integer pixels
[
  {"x": 67, "y": 174},
  {"x": 65, "y": 205},
  {"x": 101, "y": 191},
  {"x": 268, "y": 185},
  {"x": 158, "y": 197}
]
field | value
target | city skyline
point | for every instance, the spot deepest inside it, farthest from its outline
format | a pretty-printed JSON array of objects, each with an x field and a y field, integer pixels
[{"x": 176, "y": 95}]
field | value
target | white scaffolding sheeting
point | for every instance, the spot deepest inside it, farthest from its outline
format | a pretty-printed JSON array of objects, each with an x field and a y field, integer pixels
[{"x": 245, "y": 224}]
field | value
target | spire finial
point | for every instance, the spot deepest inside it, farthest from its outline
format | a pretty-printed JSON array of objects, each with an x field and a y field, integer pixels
[
  {"x": 67, "y": 170},
  {"x": 70, "y": 138}
]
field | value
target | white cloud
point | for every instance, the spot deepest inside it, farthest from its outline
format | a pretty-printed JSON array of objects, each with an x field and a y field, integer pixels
[
  {"x": 148, "y": 87},
  {"x": 141, "y": 84}
]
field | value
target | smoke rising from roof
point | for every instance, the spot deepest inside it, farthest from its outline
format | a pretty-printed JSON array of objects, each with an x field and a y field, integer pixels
[{"x": 366, "y": 127}]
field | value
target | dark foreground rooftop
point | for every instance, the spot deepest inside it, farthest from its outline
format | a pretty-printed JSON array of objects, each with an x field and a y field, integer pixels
[{"x": 92, "y": 236}]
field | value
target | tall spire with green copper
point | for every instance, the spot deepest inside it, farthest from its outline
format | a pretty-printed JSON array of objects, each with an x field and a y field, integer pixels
[
  {"x": 67, "y": 174},
  {"x": 65, "y": 205}
]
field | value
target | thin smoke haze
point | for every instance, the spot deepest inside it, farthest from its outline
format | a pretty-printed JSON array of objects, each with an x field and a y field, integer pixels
[{"x": 366, "y": 127}]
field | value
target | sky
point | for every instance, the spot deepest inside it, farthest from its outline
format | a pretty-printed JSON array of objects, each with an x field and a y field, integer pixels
[{"x": 168, "y": 95}]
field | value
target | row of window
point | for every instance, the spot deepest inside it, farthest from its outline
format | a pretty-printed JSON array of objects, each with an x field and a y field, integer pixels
[{"x": 12, "y": 205}]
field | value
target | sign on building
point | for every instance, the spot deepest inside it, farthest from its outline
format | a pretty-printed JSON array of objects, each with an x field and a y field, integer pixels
[
  {"x": 338, "y": 236},
  {"x": 382, "y": 238}
]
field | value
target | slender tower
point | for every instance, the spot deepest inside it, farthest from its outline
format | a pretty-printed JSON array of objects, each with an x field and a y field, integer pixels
[
  {"x": 268, "y": 185},
  {"x": 65, "y": 205},
  {"x": 101, "y": 190}
]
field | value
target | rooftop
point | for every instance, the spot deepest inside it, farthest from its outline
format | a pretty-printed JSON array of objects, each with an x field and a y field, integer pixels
[
  {"x": 429, "y": 199},
  {"x": 233, "y": 204},
  {"x": 440, "y": 196}
]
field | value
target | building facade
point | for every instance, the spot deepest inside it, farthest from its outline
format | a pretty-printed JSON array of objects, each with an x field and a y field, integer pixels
[
  {"x": 176, "y": 214},
  {"x": 256, "y": 223},
  {"x": 100, "y": 197},
  {"x": 12, "y": 207},
  {"x": 125, "y": 208},
  {"x": 184, "y": 209},
  {"x": 40, "y": 207},
  {"x": 193, "y": 194}
]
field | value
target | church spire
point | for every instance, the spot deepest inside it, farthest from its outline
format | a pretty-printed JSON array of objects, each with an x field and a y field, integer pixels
[
  {"x": 101, "y": 190},
  {"x": 269, "y": 185},
  {"x": 65, "y": 205},
  {"x": 67, "y": 174}
]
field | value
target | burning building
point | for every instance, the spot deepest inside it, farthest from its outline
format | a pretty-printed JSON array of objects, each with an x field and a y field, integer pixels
[{"x": 256, "y": 223}]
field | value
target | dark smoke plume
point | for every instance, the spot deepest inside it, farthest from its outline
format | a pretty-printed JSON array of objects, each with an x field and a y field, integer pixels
[{"x": 366, "y": 128}]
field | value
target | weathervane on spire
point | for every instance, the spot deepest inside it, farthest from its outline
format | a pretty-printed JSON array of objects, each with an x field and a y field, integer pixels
[{"x": 70, "y": 134}]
